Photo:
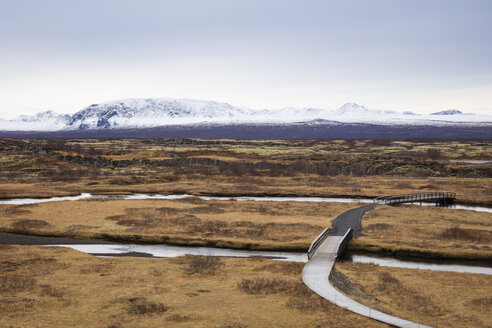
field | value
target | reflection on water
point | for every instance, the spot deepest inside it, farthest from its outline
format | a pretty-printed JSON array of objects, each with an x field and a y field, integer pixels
[
  {"x": 87, "y": 196},
  {"x": 26, "y": 201},
  {"x": 258, "y": 199},
  {"x": 174, "y": 251},
  {"x": 470, "y": 161},
  {"x": 461, "y": 207}
]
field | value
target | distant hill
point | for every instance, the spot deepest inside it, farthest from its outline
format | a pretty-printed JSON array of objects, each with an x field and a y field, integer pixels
[
  {"x": 318, "y": 130},
  {"x": 167, "y": 117}
]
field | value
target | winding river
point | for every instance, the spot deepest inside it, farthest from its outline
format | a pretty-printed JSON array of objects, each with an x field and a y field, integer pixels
[
  {"x": 116, "y": 249},
  {"x": 88, "y": 196}
]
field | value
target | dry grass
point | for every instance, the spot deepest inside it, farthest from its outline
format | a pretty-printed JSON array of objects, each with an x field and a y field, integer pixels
[
  {"x": 467, "y": 235},
  {"x": 368, "y": 168},
  {"x": 255, "y": 225},
  {"x": 405, "y": 297},
  {"x": 137, "y": 292},
  {"x": 200, "y": 264},
  {"x": 142, "y": 306},
  {"x": 263, "y": 286},
  {"x": 15, "y": 283},
  {"x": 427, "y": 231},
  {"x": 469, "y": 190},
  {"x": 26, "y": 225},
  {"x": 438, "y": 299}
]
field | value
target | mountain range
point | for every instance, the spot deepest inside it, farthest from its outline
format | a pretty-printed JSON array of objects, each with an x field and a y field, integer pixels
[{"x": 167, "y": 112}]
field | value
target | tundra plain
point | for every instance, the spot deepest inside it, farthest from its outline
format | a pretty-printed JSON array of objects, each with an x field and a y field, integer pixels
[{"x": 56, "y": 285}]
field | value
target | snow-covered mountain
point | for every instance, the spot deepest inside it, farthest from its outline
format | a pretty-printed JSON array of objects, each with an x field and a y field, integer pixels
[
  {"x": 43, "y": 121},
  {"x": 448, "y": 112},
  {"x": 138, "y": 113},
  {"x": 143, "y": 113}
]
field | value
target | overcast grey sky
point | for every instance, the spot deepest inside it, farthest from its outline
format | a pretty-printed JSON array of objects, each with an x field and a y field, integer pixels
[{"x": 419, "y": 55}]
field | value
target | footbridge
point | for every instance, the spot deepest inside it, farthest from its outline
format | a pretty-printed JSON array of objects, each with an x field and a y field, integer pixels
[
  {"x": 325, "y": 249},
  {"x": 440, "y": 198}
]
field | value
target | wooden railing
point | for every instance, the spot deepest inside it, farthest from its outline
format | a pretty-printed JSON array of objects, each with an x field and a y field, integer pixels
[
  {"x": 345, "y": 240},
  {"x": 442, "y": 198},
  {"x": 315, "y": 244}
]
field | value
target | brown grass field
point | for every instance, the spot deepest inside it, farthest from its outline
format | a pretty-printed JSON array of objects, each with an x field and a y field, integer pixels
[
  {"x": 426, "y": 231},
  {"x": 358, "y": 168},
  {"x": 401, "y": 231},
  {"x": 234, "y": 224},
  {"x": 57, "y": 287},
  {"x": 434, "y": 298},
  {"x": 468, "y": 190}
]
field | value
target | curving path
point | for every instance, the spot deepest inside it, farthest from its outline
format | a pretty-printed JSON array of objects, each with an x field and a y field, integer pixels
[
  {"x": 349, "y": 220},
  {"x": 317, "y": 271}
]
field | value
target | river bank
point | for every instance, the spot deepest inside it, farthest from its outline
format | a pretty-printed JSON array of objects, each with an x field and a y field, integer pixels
[{"x": 245, "y": 222}]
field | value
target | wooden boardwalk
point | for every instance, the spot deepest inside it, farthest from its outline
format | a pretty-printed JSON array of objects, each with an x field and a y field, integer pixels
[
  {"x": 316, "y": 275},
  {"x": 329, "y": 244},
  {"x": 440, "y": 198}
]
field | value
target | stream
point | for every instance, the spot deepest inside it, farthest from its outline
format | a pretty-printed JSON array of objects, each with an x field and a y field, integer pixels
[
  {"x": 164, "y": 251},
  {"x": 88, "y": 196}
]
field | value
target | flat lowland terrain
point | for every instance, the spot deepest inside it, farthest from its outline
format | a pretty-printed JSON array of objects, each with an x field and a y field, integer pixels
[
  {"x": 190, "y": 221},
  {"x": 57, "y": 287},
  {"x": 471, "y": 191},
  {"x": 427, "y": 232},
  {"x": 358, "y": 168},
  {"x": 434, "y": 298}
]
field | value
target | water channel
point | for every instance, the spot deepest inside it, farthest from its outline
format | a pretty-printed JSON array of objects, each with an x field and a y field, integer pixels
[
  {"x": 115, "y": 249},
  {"x": 88, "y": 196}
]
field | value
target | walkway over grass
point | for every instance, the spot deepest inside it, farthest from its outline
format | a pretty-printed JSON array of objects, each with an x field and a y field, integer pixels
[
  {"x": 329, "y": 244},
  {"x": 440, "y": 198}
]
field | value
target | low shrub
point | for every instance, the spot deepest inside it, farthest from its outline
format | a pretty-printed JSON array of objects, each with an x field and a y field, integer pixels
[
  {"x": 28, "y": 224},
  {"x": 264, "y": 286},
  {"x": 142, "y": 306},
  {"x": 200, "y": 264},
  {"x": 378, "y": 226},
  {"x": 405, "y": 297},
  {"x": 16, "y": 283},
  {"x": 293, "y": 268},
  {"x": 96, "y": 268},
  {"x": 387, "y": 283},
  {"x": 233, "y": 325},
  {"x": 48, "y": 290},
  {"x": 458, "y": 233}
]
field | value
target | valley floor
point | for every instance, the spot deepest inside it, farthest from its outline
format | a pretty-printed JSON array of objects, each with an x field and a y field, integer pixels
[
  {"x": 57, "y": 287},
  {"x": 433, "y": 298}
]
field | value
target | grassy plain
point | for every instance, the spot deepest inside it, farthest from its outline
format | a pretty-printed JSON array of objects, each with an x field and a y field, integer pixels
[
  {"x": 57, "y": 287},
  {"x": 472, "y": 191},
  {"x": 434, "y": 298},
  {"x": 53, "y": 287},
  {"x": 190, "y": 221},
  {"x": 330, "y": 168},
  {"x": 360, "y": 168},
  {"x": 426, "y": 232}
]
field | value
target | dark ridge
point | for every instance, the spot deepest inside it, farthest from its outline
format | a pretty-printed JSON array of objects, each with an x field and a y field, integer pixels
[{"x": 286, "y": 132}]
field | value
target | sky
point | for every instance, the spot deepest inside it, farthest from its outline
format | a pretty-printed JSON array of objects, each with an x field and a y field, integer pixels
[{"x": 418, "y": 55}]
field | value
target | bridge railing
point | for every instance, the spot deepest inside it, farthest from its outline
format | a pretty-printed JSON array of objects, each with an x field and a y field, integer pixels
[
  {"x": 415, "y": 197},
  {"x": 317, "y": 242},
  {"x": 345, "y": 240}
]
